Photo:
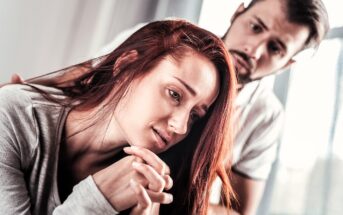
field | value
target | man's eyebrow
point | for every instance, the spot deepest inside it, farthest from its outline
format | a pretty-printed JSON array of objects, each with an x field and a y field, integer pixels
[
  {"x": 259, "y": 20},
  {"x": 264, "y": 26},
  {"x": 192, "y": 91}
]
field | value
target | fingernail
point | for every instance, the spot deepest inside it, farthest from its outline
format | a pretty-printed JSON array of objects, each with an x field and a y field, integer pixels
[{"x": 170, "y": 198}]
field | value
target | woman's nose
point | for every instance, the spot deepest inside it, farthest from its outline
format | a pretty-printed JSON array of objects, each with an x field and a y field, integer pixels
[{"x": 178, "y": 123}]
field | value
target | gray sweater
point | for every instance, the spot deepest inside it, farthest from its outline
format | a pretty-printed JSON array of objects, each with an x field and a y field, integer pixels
[{"x": 30, "y": 135}]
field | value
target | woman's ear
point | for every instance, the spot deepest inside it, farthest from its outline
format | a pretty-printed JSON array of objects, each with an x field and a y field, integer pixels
[{"x": 125, "y": 58}]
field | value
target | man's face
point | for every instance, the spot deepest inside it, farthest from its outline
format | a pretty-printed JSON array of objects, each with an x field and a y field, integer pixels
[{"x": 262, "y": 41}]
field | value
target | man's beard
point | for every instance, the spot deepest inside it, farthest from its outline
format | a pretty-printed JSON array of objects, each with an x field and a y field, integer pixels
[
  {"x": 243, "y": 78},
  {"x": 239, "y": 56}
]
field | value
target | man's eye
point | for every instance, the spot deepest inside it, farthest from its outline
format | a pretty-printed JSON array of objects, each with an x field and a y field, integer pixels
[
  {"x": 274, "y": 48},
  {"x": 175, "y": 96},
  {"x": 255, "y": 28}
]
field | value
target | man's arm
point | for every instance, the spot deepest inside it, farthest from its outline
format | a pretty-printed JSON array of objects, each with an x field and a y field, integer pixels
[
  {"x": 63, "y": 78},
  {"x": 249, "y": 193},
  {"x": 220, "y": 210}
]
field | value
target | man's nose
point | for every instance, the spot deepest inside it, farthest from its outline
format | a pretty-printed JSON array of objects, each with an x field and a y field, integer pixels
[
  {"x": 254, "y": 49},
  {"x": 178, "y": 123}
]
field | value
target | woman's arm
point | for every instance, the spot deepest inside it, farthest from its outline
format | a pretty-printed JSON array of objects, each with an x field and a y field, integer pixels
[
  {"x": 129, "y": 183},
  {"x": 14, "y": 196}
]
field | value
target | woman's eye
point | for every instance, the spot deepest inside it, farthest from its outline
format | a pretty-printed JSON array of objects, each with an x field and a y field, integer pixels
[
  {"x": 175, "y": 96},
  {"x": 255, "y": 28}
]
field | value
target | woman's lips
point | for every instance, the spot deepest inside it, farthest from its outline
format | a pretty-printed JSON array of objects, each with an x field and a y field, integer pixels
[{"x": 160, "y": 139}]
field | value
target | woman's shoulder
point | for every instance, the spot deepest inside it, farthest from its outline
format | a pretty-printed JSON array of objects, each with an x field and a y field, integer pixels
[
  {"x": 13, "y": 99},
  {"x": 26, "y": 106},
  {"x": 18, "y": 95},
  {"x": 25, "y": 114}
]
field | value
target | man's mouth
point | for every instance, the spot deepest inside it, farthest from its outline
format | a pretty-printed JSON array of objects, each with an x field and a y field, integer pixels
[
  {"x": 243, "y": 66},
  {"x": 241, "y": 63}
]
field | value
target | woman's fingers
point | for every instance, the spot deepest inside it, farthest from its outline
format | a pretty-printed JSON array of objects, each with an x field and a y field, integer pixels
[
  {"x": 150, "y": 158},
  {"x": 143, "y": 200},
  {"x": 146, "y": 197},
  {"x": 160, "y": 197},
  {"x": 168, "y": 182},
  {"x": 156, "y": 182}
]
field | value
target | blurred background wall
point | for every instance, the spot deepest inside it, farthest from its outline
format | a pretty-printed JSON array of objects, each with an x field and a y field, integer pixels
[{"x": 41, "y": 36}]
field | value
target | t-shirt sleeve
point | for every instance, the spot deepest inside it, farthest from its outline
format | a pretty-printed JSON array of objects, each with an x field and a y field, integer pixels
[
  {"x": 260, "y": 150},
  {"x": 14, "y": 157},
  {"x": 86, "y": 199}
]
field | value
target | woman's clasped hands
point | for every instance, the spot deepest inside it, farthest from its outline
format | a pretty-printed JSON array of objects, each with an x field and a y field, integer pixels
[{"x": 137, "y": 181}]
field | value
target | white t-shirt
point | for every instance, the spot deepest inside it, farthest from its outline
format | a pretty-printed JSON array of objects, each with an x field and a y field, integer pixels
[{"x": 259, "y": 116}]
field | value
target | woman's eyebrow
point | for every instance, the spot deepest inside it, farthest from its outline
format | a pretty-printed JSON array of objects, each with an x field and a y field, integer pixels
[
  {"x": 189, "y": 88},
  {"x": 192, "y": 91}
]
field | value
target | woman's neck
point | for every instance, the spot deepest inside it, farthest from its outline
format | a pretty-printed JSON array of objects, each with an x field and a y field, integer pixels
[{"x": 89, "y": 143}]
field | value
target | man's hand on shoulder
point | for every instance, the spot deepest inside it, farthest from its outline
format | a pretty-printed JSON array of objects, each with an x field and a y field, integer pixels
[{"x": 15, "y": 79}]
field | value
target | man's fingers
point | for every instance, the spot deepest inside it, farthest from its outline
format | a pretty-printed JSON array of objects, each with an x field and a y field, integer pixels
[{"x": 16, "y": 79}]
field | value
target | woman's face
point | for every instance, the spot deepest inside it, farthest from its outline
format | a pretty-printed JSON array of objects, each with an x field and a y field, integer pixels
[{"x": 159, "y": 109}]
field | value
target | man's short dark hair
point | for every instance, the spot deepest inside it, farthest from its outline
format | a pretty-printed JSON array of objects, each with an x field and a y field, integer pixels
[{"x": 310, "y": 13}]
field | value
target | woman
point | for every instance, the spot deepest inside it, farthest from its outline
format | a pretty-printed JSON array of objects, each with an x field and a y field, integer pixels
[{"x": 61, "y": 147}]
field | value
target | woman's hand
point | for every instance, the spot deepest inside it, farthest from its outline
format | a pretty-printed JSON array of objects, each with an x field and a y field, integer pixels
[
  {"x": 144, "y": 205},
  {"x": 153, "y": 165},
  {"x": 136, "y": 180}
]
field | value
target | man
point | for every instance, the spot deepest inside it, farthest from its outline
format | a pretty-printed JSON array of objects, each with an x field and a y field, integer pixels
[{"x": 263, "y": 38}]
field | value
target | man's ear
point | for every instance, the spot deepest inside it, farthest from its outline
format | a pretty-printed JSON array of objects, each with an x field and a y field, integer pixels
[
  {"x": 125, "y": 58},
  {"x": 238, "y": 11},
  {"x": 288, "y": 64}
]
